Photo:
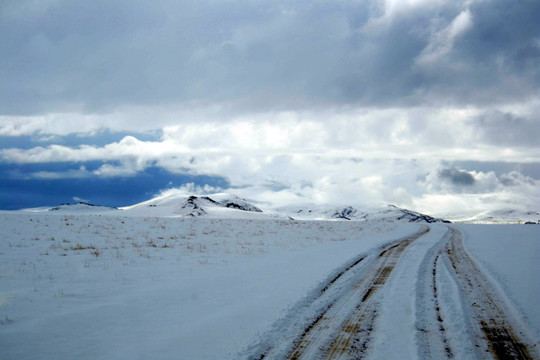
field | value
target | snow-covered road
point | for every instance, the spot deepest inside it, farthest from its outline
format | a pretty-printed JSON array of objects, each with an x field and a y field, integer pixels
[
  {"x": 418, "y": 297},
  {"x": 492, "y": 326}
]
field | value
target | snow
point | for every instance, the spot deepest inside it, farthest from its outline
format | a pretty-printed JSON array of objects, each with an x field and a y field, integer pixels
[
  {"x": 510, "y": 255},
  {"x": 93, "y": 286},
  {"x": 389, "y": 213},
  {"x": 498, "y": 216},
  {"x": 397, "y": 321},
  {"x": 80, "y": 207},
  {"x": 454, "y": 315},
  {"x": 144, "y": 282},
  {"x": 220, "y": 205}
]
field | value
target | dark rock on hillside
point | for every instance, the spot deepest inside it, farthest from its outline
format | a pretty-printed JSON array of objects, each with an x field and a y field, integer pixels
[
  {"x": 414, "y": 217},
  {"x": 192, "y": 204},
  {"x": 242, "y": 207},
  {"x": 345, "y": 213},
  {"x": 197, "y": 205},
  {"x": 234, "y": 202},
  {"x": 209, "y": 200}
]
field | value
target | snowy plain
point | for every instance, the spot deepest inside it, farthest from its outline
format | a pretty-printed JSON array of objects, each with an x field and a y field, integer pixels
[
  {"x": 510, "y": 255},
  {"x": 90, "y": 286},
  {"x": 112, "y": 286}
]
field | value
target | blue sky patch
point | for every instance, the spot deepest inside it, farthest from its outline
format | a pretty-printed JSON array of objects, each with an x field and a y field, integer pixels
[
  {"x": 97, "y": 139},
  {"x": 18, "y": 192}
]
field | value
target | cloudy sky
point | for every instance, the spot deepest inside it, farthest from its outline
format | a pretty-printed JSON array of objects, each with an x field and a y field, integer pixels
[{"x": 433, "y": 105}]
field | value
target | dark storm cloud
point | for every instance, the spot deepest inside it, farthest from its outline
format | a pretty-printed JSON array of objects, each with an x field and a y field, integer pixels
[
  {"x": 505, "y": 35},
  {"x": 506, "y": 129},
  {"x": 98, "y": 55},
  {"x": 515, "y": 178},
  {"x": 500, "y": 168},
  {"x": 456, "y": 176},
  {"x": 496, "y": 60}
]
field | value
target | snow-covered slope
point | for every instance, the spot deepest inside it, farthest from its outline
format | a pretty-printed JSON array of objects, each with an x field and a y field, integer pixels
[
  {"x": 502, "y": 216},
  {"x": 226, "y": 205},
  {"x": 78, "y": 208},
  {"x": 394, "y": 213},
  {"x": 390, "y": 213},
  {"x": 318, "y": 212},
  {"x": 234, "y": 202},
  {"x": 220, "y": 205},
  {"x": 82, "y": 207}
]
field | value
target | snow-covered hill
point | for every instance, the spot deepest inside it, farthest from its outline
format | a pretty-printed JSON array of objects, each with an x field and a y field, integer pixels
[
  {"x": 501, "y": 216},
  {"x": 394, "y": 213},
  {"x": 82, "y": 207},
  {"x": 318, "y": 212},
  {"x": 77, "y": 208},
  {"x": 226, "y": 205},
  {"x": 390, "y": 213},
  {"x": 221, "y": 205}
]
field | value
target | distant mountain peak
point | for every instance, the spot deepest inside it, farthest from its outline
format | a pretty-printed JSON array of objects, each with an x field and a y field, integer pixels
[{"x": 345, "y": 213}]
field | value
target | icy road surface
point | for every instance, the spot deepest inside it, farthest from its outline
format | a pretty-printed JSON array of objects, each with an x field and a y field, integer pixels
[{"x": 91, "y": 286}]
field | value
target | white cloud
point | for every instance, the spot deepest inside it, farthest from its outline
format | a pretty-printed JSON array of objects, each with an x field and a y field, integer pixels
[
  {"x": 129, "y": 118},
  {"x": 339, "y": 156},
  {"x": 286, "y": 111},
  {"x": 108, "y": 170},
  {"x": 190, "y": 189},
  {"x": 442, "y": 42},
  {"x": 488, "y": 191},
  {"x": 82, "y": 172},
  {"x": 412, "y": 184},
  {"x": 403, "y": 133}
]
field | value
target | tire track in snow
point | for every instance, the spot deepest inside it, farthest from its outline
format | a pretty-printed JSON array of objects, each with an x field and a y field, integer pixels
[
  {"x": 495, "y": 332},
  {"x": 344, "y": 329},
  {"x": 431, "y": 337},
  {"x": 347, "y": 294},
  {"x": 459, "y": 313},
  {"x": 354, "y": 336},
  {"x": 308, "y": 312},
  {"x": 492, "y": 333}
]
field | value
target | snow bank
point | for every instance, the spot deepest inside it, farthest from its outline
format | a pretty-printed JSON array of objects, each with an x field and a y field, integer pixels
[{"x": 510, "y": 254}]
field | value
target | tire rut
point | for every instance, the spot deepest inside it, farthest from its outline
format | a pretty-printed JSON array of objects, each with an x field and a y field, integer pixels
[
  {"x": 431, "y": 337},
  {"x": 442, "y": 330},
  {"x": 344, "y": 329},
  {"x": 494, "y": 330}
]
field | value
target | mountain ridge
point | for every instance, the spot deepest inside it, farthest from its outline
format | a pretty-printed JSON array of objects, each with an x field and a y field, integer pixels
[{"x": 227, "y": 205}]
